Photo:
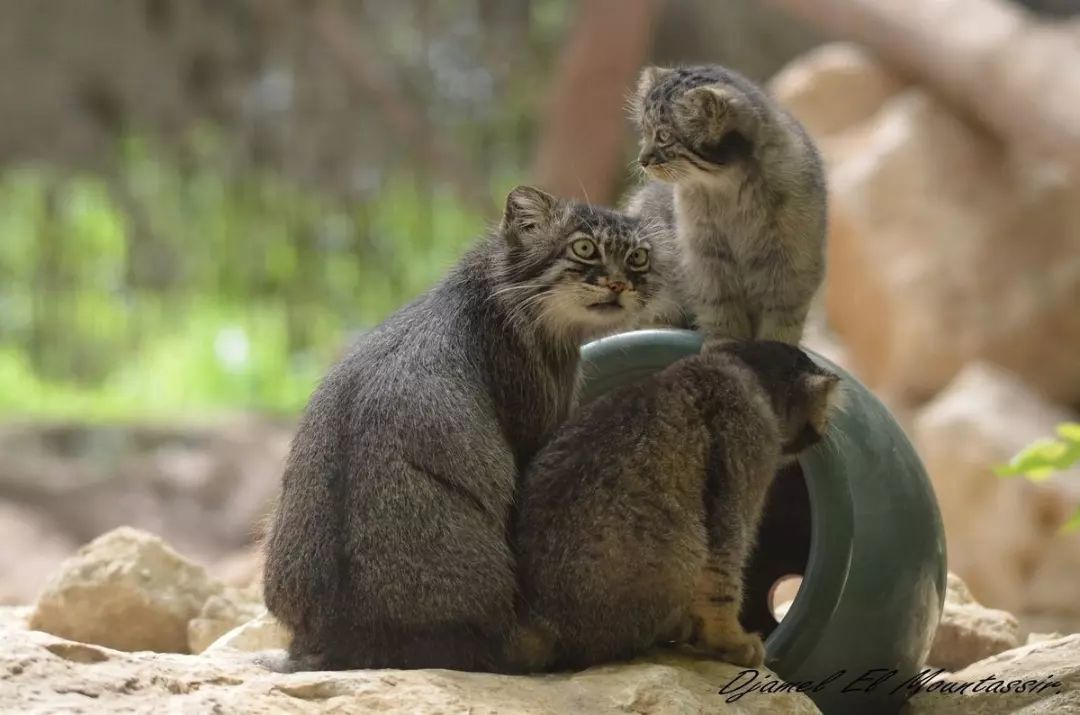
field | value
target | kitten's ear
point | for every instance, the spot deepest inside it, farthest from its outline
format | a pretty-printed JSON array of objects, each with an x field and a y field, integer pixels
[
  {"x": 527, "y": 210},
  {"x": 823, "y": 394},
  {"x": 710, "y": 101},
  {"x": 648, "y": 79}
]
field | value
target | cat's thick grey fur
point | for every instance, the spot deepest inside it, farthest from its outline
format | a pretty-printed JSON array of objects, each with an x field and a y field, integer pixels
[
  {"x": 637, "y": 519},
  {"x": 743, "y": 186},
  {"x": 389, "y": 544}
]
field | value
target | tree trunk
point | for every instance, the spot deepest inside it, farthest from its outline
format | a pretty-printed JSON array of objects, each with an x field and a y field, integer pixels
[
  {"x": 988, "y": 57},
  {"x": 584, "y": 127}
]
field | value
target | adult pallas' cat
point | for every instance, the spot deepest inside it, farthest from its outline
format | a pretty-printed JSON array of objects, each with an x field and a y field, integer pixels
[
  {"x": 389, "y": 545},
  {"x": 637, "y": 519}
]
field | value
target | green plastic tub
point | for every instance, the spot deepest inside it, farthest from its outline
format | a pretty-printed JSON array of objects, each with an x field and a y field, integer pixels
[{"x": 857, "y": 520}]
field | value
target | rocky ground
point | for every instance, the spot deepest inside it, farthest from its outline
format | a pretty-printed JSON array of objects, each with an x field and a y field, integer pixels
[{"x": 129, "y": 625}]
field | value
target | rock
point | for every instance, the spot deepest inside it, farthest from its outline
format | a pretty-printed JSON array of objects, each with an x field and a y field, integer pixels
[
  {"x": 33, "y": 547},
  {"x": 260, "y": 633},
  {"x": 43, "y": 673},
  {"x": 126, "y": 589},
  {"x": 242, "y": 568},
  {"x": 1051, "y": 670},
  {"x": 17, "y": 616},
  {"x": 925, "y": 268},
  {"x": 968, "y": 631},
  {"x": 834, "y": 87},
  {"x": 203, "y": 488},
  {"x": 1003, "y": 534},
  {"x": 1040, "y": 637},
  {"x": 219, "y": 615}
]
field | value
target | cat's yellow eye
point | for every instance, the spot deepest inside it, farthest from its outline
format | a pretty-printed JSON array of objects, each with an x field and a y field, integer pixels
[
  {"x": 638, "y": 259},
  {"x": 663, "y": 136},
  {"x": 583, "y": 248}
]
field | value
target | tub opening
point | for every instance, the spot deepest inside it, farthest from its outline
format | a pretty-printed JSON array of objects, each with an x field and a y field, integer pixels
[
  {"x": 783, "y": 550},
  {"x": 782, "y": 595}
]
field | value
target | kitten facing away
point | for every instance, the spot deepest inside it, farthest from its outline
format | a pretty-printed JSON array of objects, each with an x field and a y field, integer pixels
[
  {"x": 637, "y": 519},
  {"x": 388, "y": 547},
  {"x": 742, "y": 184}
]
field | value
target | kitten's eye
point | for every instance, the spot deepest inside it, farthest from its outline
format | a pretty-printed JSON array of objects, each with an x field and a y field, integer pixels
[
  {"x": 638, "y": 259},
  {"x": 663, "y": 136},
  {"x": 583, "y": 248}
]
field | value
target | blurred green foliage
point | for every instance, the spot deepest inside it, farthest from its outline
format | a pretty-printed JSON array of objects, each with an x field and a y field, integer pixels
[
  {"x": 169, "y": 286},
  {"x": 1045, "y": 457}
]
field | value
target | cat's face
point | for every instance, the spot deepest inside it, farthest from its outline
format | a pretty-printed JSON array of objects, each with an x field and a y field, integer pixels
[
  {"x": 582, "y": 270},
  {"x": 689, "y": 123},
  {"x": 803, "y": 395}
]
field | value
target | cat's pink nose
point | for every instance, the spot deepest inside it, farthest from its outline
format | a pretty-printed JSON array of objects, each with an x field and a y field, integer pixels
[{"x": 616, "y": 286}]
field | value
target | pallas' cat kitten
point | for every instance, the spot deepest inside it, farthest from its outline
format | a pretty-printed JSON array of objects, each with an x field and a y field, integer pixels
[
  {"x": 637, "y": 519},
  {"x": 743, "y": 185},
  {"x": 388, "y": 546}
]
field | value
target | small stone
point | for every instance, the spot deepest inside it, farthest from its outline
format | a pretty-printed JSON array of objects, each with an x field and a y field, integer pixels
[
  {"x": 126, "y": 590},
  {"x": 220, "y": 614},
  {"x": 263, "y": 632}
]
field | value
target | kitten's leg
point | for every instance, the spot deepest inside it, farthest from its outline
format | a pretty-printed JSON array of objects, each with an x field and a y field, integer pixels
[
  {"x": 782, "y": 324},
  {"x": 725, "y": 319},
  {"x": 715, "y": 613}
]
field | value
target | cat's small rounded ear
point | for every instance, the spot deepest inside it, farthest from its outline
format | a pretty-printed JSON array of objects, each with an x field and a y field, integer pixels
[
  {"x": 711, "y": 101},
  {"x": 824, "y": 395},
  {"x": 528, "y": 209},
  {"x": 646, "y": 81},
  {"x": 649, "y": 77}
]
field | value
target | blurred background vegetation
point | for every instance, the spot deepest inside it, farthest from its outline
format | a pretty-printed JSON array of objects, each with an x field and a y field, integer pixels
[{"x": 200, "y": 201}]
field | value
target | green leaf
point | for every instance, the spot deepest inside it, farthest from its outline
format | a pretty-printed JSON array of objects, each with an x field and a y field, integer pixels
[
  {"x": 1036, "y": 457},
  {"x": 1073, "y": 524},
  {"x": 1069, "y": 431}
]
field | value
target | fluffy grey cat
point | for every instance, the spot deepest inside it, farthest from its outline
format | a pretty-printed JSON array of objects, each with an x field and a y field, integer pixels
[
  {"x": 388, "y": 547},
  {"x": 637, "y": 519},
  {"x": 743, "y": 185}
]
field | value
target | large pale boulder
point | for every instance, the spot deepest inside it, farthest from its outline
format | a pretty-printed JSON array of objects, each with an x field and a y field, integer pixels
[
  {"x": 968, "y": 631},
  {"x": 126, "y": 589},
  {"x": 943, "y": 248},
  {"x": 834, "y": 87},
  {"x": 1048, "y": 671},
  {"x": 43, "y": 673},
  {"x": 1003, "y": 534}
]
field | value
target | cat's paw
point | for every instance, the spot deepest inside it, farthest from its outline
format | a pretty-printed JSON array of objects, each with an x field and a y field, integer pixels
[{"x": 746, "y": 650}]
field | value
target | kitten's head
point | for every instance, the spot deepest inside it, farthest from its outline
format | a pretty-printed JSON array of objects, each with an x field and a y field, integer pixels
[
  {"x": 692, "y": 122},
  {"x": 803, "y": 395},
  {"x": 582, "y": 270}
]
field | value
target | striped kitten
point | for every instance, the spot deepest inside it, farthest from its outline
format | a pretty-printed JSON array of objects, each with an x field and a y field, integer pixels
[
  {"x": 743, "y": 186},
  {"x": 388, "y": 547},
  {"x": 637, "y": 519}
]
